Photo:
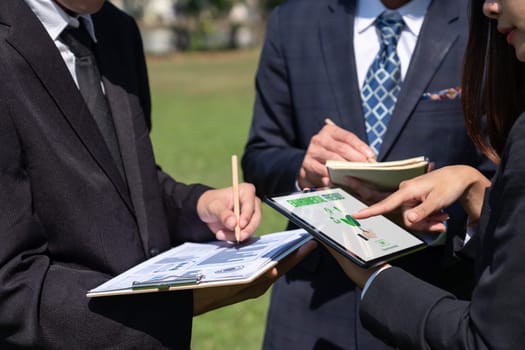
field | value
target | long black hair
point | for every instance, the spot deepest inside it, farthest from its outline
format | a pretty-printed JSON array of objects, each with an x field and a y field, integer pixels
[{"x": 493, "y": 85}]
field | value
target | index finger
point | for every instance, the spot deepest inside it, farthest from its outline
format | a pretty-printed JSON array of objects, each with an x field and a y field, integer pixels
[
  {"x": 250, "y": 215},
  {"x": 390, "y": 203}
]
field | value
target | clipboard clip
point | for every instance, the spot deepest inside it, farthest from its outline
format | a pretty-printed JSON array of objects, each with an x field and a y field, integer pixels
[{"x": 164, "y": 283}]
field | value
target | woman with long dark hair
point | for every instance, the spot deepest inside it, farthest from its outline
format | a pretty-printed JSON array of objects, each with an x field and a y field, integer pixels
[{"x": 411, "y": 314}]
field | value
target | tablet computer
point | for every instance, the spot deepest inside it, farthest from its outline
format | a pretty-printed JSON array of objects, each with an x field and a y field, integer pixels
[{"x": 326, "y": 215}]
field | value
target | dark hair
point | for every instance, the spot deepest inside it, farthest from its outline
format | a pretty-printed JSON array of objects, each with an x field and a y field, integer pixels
[{"x": 493, "y": 85}]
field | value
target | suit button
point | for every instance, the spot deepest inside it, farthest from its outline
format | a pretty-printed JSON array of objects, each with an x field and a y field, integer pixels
[{"x": 153, "y": 251}]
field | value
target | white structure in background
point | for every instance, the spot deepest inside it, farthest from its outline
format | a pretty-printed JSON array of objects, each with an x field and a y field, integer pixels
[
  {"x": 243, "y": 19},
  {"x": 165, "y": 31},
  {"x": 159, "y": 12},
  {"x": 158, "y": 26}
]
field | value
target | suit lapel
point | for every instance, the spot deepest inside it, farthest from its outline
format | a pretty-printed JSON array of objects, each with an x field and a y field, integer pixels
[
  {"x": 437, "y": 36},
  {"x": 42, "y": 55},
  {"x": 115, "y": 80},
  {"x": 336, "y": 27}
]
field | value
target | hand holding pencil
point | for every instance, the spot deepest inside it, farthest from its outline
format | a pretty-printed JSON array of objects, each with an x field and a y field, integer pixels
[
  {"x": 371, "y": 158},
  {"x": 331, "y": 143},
  {"x": 231, "y": 213}
]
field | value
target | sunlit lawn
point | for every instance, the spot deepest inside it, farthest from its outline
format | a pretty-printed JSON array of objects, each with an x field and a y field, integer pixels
[{"x": 202, "y": 105}]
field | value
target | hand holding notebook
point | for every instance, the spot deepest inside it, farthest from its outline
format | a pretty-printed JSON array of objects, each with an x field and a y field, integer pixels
[{"x": 385, "y": 175}]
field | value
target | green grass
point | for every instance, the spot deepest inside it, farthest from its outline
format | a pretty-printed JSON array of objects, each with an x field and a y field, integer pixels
[{"x": 202, "y": 106}]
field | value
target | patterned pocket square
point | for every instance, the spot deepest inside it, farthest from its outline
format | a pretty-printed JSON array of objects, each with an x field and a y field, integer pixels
[{"x": 446, "y": 94}]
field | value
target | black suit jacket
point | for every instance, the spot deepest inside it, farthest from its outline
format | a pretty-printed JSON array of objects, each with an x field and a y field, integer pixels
[
  {"x": 68, "y": 221},
  {"x": 414, "y": 315},
  {"x": 307, "y": 72}
]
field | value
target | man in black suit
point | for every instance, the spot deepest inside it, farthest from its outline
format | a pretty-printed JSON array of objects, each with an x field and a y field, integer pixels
[
  {"x": 313, "y": 66},
  {"x": 81, "y": 197}
]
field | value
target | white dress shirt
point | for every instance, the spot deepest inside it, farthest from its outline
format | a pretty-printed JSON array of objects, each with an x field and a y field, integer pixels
[
  {"x": 367, "y": 38},
  {"x": 55, "y": 20}
]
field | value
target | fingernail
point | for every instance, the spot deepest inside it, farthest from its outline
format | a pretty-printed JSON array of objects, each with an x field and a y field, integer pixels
[
  {"x": 411, "y": 216},
  {"x": 370, "y": 153},
  {"x": 230, "y": 222}
]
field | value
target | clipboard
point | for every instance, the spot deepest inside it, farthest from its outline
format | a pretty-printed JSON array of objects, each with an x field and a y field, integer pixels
[
  {"x": 203, "y": 265},
  {"x": 326, "y": 215}
]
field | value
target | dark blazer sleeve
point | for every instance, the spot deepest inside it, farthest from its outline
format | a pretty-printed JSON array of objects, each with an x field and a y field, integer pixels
[
  {"x": 414, "y": 315},
  {"x": 180, "y": 204},
  {"x": 273, "y": 135}
]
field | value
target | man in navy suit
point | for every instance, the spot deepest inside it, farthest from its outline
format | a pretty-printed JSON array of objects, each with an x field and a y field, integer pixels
[{"x": 313, "y": 66}]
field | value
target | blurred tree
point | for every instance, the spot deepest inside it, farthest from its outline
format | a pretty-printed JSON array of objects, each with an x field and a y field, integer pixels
[{"x": 196, "y": 7}]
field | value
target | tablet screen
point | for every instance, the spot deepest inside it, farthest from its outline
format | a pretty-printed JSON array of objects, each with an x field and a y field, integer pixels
[{"x": 326, "y": 214}]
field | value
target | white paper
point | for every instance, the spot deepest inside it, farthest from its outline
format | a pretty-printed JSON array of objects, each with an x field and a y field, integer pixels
[{"x": 215, "y": 262}]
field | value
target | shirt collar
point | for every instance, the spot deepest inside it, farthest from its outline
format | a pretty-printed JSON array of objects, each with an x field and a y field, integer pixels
[
  {"x": 413, "y": 14},
  {"x": 55, "y": 19}
]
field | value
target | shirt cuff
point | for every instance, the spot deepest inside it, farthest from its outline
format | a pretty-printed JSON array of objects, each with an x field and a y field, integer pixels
[
  {"x": 472, "y": 229},
  {"x": 371, "y": 279}
]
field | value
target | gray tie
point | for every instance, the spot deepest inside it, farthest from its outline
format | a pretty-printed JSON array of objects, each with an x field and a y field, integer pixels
[{"x": 81, "y": 45}]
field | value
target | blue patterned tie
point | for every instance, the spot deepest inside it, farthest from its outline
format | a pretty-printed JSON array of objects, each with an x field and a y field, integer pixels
[{"x": 382, "y": 81}]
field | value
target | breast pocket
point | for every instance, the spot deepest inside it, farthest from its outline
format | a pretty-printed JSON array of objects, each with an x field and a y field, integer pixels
[
  {"x": 439, "y": 106},
  {"x": 438, "y": 130}
]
